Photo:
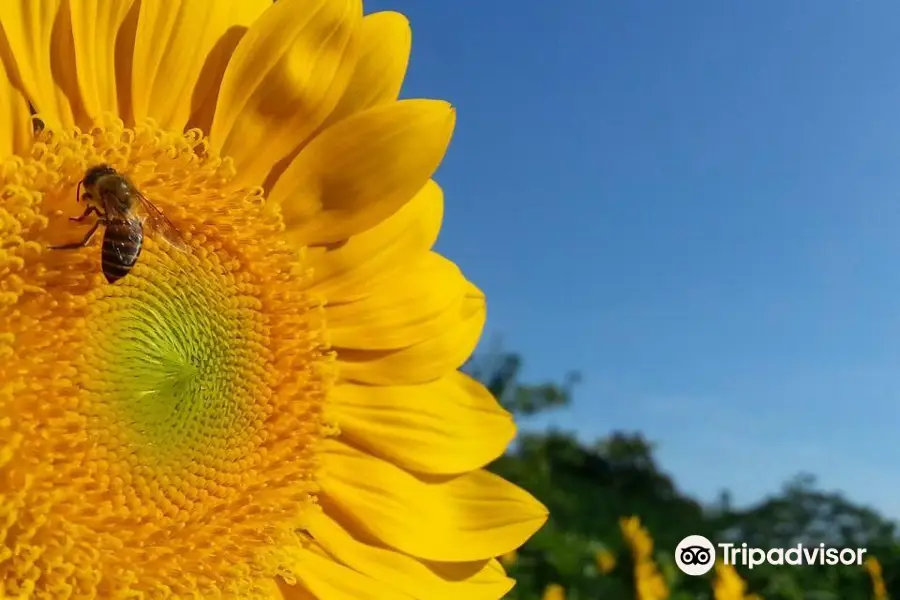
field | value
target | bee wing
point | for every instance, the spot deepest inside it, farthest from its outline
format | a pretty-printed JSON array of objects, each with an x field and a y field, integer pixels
[{"x": 159, "y": 225}]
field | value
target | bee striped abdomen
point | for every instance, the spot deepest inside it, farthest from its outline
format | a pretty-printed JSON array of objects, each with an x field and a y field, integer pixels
[{"x": 121, "y": 247}]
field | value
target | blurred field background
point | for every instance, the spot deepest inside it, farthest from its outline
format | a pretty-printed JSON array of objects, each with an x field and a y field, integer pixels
[{"x": 616, "y": 517}]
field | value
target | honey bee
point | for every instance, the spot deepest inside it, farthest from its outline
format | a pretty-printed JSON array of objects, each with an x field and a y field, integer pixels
[{"x": 116, "y": 200}]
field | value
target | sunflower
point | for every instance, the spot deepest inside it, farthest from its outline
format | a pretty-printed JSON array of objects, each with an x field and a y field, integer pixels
[
  {"x": 554, "y": 591},
  {"x": 275, "y": 409},
  {"x": 728, "y": 584},
  {"x": 649, "y": 582}
]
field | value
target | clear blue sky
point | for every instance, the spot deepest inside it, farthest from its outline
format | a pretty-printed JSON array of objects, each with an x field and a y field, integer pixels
[{"x": 697, "y": 204}]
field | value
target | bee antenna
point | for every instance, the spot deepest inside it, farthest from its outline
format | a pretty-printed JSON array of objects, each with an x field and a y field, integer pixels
[{"x": 78, "y": 193}]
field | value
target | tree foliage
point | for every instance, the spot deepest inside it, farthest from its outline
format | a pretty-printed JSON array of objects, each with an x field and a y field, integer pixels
[
  {"x": 499, "y": 371},
  {"x": 589, "y": 488}
]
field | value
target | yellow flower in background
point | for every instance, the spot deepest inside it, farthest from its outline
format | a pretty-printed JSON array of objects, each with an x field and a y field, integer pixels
[
  {"x": 554, "y": 591},
  {"x": 873, "y": 567},
  {"x": 276, "y": 411},
  {"x": 728, "y": 584},
  {"x": 509, "y": 559},
  {"x": 637, "y": 537},
  {"x": 649, "y": 582},
  {"x": 606, "y": 561}
]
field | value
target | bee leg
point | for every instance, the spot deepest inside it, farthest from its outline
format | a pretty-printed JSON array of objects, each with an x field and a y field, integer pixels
[
  {"x": 85, "y": 241},
  {"x": 87, "y": 212}
]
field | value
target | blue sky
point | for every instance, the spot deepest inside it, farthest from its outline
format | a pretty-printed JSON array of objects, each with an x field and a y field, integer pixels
[{"x": 697, "y": 204}]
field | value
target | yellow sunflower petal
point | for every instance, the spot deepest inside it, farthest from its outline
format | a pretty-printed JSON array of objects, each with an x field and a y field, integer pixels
[
  {"x": 287, "y": 591},
  {"x": 422, "y": 362},
  {"x": 174, "y": 40},
  {"x": 15, "y": 121},
  {"x": 385, "y": 42},
  {"x": 448, "y": 426},
  {"x": 360, "y": 171},
  {"x": 471, "y": 517},
  {"x": 209, "y": 82},
  {"x": 286, "y": 75},
  {"x": 402, "y": 309},
  {"x": 95, "y": 25},
  {"x": 342, "y": 273},
  {"x": 473, "y": 580},
  {"x": 41, "y": 52},
  {"x": 326, "y": 578}
]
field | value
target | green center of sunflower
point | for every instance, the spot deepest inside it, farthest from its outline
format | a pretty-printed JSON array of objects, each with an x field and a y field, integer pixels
[
  {"x": 167, "y": 422},
  {"x": 182, "y": 357}
]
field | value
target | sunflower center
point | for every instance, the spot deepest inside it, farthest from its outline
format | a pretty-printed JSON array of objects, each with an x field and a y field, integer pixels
[{"x": 177, "y": 408}]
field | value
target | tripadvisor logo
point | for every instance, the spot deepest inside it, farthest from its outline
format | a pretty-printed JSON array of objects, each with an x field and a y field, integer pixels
[
  {"x": 734, "y": 554},
  {"x": 695, "y": 555}
]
